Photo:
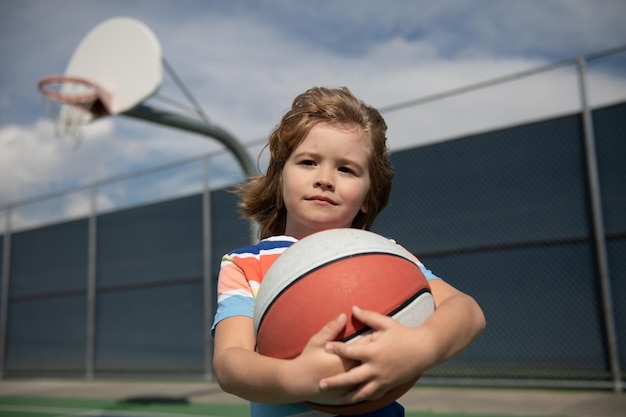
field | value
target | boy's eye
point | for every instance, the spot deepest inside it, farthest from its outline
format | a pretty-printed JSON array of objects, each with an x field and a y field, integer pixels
[
  {"x": 307, "y": 162},
  {"x": 346, "y": 170}
]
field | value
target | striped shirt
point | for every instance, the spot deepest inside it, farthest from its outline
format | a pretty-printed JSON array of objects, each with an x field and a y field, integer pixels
[{"x": 241, "y": 273}]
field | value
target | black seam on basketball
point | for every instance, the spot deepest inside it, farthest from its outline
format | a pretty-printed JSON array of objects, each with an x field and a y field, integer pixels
[
  {"x": 390, "y": 314},
  {"x": 355, "y": 255}
]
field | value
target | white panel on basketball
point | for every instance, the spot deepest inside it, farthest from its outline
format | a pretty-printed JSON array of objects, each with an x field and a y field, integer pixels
[{"x": 413, "y": 314}]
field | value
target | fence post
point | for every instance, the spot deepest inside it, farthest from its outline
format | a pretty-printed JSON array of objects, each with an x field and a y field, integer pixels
[
  {"x": 598, "y": 227},
  {"x": 207, "y": 279},
  {"x": 4, "y": 303},
  {"x": 92, "y": 239}
]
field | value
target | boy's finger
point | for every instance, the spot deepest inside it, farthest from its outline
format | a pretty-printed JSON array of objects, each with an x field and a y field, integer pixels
[
  {"x": 372, "y": 319},
  {"x": 352, "y": 351},
  {"x": 350, "y": 380},
  {"x": 332, "y": 328}
]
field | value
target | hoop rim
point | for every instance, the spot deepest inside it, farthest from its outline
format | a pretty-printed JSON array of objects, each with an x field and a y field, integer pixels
[{"x": 97, "y": 102}]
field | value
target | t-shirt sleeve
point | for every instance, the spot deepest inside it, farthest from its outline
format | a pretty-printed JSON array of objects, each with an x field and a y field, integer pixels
[
  {"x": 427, "y": 272},
  {"x": 234, "y": 293}
]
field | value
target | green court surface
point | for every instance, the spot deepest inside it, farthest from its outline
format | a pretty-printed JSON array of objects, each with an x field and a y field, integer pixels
[
  {"x": 41, "y": 407},
  {"x": 66, "y": 407}
]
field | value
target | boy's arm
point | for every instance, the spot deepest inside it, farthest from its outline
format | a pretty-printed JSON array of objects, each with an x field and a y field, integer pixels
[
  {"x": 241, "y": 371},
  {"x": 394, "y": 353},
  {"x": 456, "y": 323}
]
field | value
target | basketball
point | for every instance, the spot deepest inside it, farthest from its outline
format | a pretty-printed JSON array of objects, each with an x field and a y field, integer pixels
[{"x": 327, "y": 273}]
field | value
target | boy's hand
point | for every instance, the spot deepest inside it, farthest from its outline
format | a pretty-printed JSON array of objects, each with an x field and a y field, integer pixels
[
  {"x": 315, "y": 363},
  {"x": 388, "y": 357}
]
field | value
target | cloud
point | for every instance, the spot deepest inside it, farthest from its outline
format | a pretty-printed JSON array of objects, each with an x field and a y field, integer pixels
[
  {"x": 37, "y": 168},
  {"x": 32, "y": 159}
]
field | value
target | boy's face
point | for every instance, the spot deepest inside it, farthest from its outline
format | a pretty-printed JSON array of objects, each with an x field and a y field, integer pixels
[{"x": 325, "y": 180}]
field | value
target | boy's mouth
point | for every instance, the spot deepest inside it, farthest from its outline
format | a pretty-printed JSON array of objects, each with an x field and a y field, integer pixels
[{"x": 321, "y": 199}]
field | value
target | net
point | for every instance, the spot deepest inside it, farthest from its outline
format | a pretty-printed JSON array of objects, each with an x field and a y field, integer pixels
[{"x": 71, "y": 103}]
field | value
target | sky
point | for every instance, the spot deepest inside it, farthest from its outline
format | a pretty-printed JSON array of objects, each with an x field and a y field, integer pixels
[{"x": 244, "y": 61}]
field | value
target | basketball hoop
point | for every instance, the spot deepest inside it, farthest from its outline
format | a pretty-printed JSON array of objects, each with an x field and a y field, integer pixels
[{"x": 72, "y": 102}]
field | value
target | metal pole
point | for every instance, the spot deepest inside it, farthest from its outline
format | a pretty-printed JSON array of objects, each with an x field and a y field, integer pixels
[
  {"x": 174, "y": 120},
  {"x": 163, "y": 117},
  {"x": 207, "y": 276},
  {"x": 91, "y": 286},
  {"x": 598, "y": 228},
  {"x": 6, "y": 279}
]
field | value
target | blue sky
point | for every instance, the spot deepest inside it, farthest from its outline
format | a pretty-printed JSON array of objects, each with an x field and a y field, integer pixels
[{"x": 244, "y": 61}]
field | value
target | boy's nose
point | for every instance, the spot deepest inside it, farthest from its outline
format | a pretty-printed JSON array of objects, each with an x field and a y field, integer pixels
[{"x": 324, "y": 180}]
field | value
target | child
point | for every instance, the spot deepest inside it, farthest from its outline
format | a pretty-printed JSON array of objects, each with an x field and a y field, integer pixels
[{"x": 329, "y": 168}]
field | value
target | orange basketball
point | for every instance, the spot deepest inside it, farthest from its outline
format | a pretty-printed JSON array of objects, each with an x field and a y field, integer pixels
[{"x": 327, "y": 273}]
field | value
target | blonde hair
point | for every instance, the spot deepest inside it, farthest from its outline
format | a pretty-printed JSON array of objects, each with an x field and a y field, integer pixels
[{"x": 261, "y": 198}]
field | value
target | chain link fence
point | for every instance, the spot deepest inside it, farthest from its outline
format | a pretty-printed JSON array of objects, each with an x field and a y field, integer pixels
[{"x": 511, "y": 189}]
